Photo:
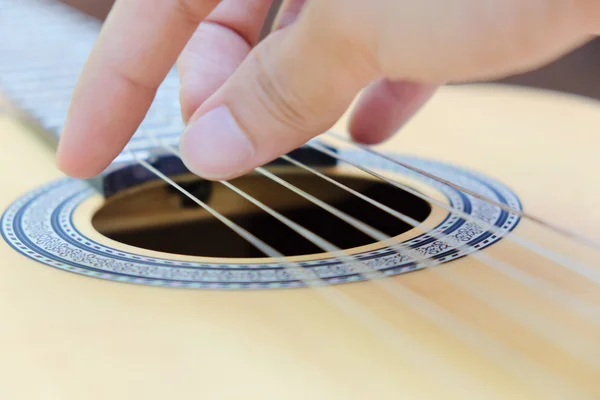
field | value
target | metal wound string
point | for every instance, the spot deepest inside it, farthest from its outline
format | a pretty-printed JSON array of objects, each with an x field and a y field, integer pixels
[
  {"x": 559, "y": 229},
  {"x": 436, "y": 314}
]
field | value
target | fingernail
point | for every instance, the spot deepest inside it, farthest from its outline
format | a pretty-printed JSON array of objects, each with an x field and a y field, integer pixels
[{"x": 214, "y": 146}]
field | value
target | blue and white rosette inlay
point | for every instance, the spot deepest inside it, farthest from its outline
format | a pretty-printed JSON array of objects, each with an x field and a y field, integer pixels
[{"x": 40, "y": 226}]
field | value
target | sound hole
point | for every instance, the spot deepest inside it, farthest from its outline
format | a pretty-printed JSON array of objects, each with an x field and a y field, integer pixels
[{"x": 159, "y": 218}]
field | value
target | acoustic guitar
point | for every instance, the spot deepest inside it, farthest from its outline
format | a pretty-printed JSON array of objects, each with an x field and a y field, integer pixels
[{"x": 459, "y": 260}]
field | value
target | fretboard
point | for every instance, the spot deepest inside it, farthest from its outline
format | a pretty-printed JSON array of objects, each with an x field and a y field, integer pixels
[{"x": 43, "y": 46}]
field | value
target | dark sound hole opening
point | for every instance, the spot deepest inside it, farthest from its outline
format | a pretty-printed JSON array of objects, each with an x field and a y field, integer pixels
[{"x": 160, "y": 219}]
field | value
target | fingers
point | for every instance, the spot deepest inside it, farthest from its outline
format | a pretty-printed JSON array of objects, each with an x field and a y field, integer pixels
[
  {"x": 294, "y": 85},
  {"x": 137, "y": 47},
  {"x": 384, "y": 107},
  {"x": 217, "y": 48}
]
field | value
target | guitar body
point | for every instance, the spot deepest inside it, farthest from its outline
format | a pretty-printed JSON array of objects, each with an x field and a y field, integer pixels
[{"x": 68, "y": 335}]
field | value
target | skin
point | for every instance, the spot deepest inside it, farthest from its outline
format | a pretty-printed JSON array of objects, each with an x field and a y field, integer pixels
[{"x": 246, "y": 103}]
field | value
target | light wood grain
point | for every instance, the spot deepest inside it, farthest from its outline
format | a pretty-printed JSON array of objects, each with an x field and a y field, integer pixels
[{"x": 69, "y": 337}]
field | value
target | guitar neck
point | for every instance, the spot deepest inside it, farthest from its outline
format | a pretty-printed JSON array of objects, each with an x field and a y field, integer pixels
[{"x": 44, "y": 47}]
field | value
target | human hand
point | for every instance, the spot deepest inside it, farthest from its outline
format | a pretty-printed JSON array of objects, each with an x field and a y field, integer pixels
[{"x": 247, "y": 103}]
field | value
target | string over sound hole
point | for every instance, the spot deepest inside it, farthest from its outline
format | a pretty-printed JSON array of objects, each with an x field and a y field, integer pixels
[{"x": 192, "y": 231}]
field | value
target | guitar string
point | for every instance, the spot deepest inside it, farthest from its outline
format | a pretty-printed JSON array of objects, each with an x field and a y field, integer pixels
[
  {"x": 403, "y": 343},
  {"x": 551, "y": 292},
  {"x": 536, "y": 323},
  {"x": 435, "y": 314},
  {"x": 559, "y": 229},
  {"x": 350, "y": 220},
  {"x": 589, "y": 272},
  {"x": 576, "y": 348}
]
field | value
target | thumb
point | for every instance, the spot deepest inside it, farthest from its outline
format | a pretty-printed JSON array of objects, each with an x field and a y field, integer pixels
[{"x": 292, "y": 87}]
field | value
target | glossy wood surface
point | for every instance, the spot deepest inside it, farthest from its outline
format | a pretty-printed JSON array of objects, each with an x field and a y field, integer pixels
[{"x": 70, "y": 337}]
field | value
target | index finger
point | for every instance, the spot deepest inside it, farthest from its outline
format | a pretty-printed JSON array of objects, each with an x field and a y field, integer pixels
[{"x": 138, "y": 45}]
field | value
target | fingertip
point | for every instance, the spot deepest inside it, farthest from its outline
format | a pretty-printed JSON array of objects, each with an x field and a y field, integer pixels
[
  {"x": 79, "y": 160},
  {"x": 364, "y": 135},
  {"x": 73, "y": 169},
  {"x": 215, "y": 147},
  {"x": 64, "y": 160}
]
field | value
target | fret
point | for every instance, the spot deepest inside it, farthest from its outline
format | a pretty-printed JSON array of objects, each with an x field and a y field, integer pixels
[{"x": 40, "y": 63}]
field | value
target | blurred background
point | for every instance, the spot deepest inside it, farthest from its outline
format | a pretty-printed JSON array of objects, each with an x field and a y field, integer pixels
[{"x": 578, "y": 72}]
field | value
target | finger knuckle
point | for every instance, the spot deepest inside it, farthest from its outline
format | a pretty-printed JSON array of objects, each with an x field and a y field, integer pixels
[
  {"x": 277, "y": 96},
  {"x": 345, "y": 32}
]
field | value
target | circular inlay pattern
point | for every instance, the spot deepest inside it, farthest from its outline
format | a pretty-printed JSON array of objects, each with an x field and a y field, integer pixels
[{"x": 40, "y": 226}]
